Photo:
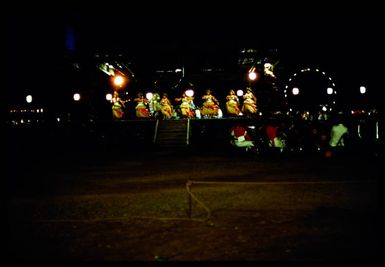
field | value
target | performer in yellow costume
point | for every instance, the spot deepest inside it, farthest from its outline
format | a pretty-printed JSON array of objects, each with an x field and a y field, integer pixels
[
  {"x": 232, "y": 104},
  {"x": 210, "y": 105},
  {"x": 185, "y": 106},
  {"x": 141, "y": 107},
  {"x": 166, "y": 107},
  {"x": 117, "y": 106},
  {"x": 249, "y": 103}
]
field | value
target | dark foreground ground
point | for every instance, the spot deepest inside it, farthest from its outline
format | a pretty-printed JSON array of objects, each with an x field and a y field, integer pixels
[{"x": 133, "y": 205}]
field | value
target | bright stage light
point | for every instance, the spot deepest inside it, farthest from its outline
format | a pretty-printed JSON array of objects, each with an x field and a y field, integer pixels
[
  {"x": 252, "y": 76},
  {"x": 149, "y": 96},
  {"x": 189, "y": 92},
  {"x": 76, "y": 96},
  {"x": 118, "y": 80},
  {"x": 28, "y": 99}
]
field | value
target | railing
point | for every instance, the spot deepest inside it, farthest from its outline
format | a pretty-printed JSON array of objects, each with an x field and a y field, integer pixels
[
  {"x": 188, "y": 132},
  {"x": 156, "y": 131}
]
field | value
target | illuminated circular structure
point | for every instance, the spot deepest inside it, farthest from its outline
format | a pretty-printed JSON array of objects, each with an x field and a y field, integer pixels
[{"x": 310, "y": 88}]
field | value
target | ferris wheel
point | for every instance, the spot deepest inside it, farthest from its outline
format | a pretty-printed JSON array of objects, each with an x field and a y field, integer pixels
[{"x": 310, "y": 88}]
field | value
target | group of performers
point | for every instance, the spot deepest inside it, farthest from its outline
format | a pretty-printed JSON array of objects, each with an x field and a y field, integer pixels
[{"x": 161, "y": 107}]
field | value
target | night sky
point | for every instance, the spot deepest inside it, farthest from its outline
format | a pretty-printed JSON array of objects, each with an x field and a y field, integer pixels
[{"x": 349, "y": 46}]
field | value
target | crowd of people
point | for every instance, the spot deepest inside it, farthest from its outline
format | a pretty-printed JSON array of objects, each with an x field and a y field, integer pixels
[
  {"x": 162, "y": 107},
  {"x": 293, "y": 134}
]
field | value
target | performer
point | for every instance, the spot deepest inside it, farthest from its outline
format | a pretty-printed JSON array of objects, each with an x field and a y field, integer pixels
[
  {"x": 185, "y": 106},
  {"x": 117, "y": 106},
  {"x": 210, "y": 105},
  {"x": 141, "y": 107},
  {"x": 249, "y": 103},
  {"x": 275, "y": 135},
  {"x": 337, "y": 134},
  {"x": 154, "y": 105},
  {"x": 241, "y": 138},
  {"x": 166, "y": 107},
  {"x": 232, "y": 104}
]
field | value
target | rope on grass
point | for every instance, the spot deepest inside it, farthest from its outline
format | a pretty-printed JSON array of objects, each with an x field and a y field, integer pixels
[
  {"x": 190, "y": 182},
  {"x": 188, "y": 188},
  {"x": 126, "y": 218},
  {"x": 281, "y": 182}
]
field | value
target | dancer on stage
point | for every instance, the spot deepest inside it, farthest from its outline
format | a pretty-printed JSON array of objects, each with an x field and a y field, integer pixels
[
  {"x": 117, "y": 106},
  {"x": 141, "y": 107},
  {"x": 210, "y": 105},
  {"x": 166, "y": 107},
  {"x": 185, "y": 107},
  {"x": 232, "y": 104},
  {"x": 249, "y": 103}
]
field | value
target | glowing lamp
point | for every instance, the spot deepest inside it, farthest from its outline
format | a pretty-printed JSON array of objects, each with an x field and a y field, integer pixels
[
  {"x": 189, "y": 92},
  {"x": 28, "y": 99},
  {"x": 252, "y": 75},
  {"x": 76, "y": 96},
  {"x": 118, "y": 80},
  {"x": 239, "y": 92},
  {"x": 149, "y": 96}
]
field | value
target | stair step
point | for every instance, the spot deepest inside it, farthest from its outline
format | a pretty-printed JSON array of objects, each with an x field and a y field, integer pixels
[
  {"x": 171, "y": 134},
  {"x": 171, "y": 131}
]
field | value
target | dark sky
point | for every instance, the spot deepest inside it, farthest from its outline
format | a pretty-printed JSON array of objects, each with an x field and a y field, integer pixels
[{"x": 351, "y": 46}]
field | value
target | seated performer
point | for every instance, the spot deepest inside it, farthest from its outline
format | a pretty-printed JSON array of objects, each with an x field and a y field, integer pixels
[
  {"x": 275, "y": 135},
  {"x": 337, "y": 134},
  {"x": 249, "y": 103},
  {"x": 240, "y": 137},
  {"x": 232, "y": 104}
]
